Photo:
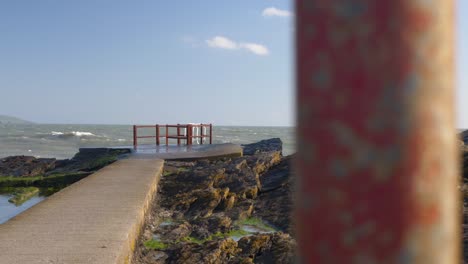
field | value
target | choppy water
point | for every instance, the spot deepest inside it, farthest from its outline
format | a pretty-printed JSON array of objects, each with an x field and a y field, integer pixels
[
  {"x": 9, "y": 210},
  {"x": 63, "y": 141}
]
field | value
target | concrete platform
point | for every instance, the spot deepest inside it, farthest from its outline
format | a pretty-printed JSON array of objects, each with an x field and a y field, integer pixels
[
  {"x": 188, "y": 152},
  {"x": 96, "y": 220}
]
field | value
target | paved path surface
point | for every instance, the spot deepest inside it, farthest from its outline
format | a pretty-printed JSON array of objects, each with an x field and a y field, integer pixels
[{"x": 95, "y": 220}]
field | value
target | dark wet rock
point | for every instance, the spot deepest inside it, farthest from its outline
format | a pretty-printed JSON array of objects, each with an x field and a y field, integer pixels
[
  {"x": 179, "y": 232},
  {"x": 273, "y": 144},
  {"x": 211, "y": 252},
  {"x": 463, "y": 136},
  {"x": 274, "y": 204},
  {"x": 278, "y": 176},
  {"x": 227, "y": 203},
  {"x": 25, "y": 166},
  {"x": 280, "y": 249},
  {"x": 154, "y": 257},
  {"x": 91, "y": 159},
  {"x": 261, "y": 162},
  {"x": 209, "y": 200},
  {"x": 251, "y": 245},
  {"x": 242, "y": 210},
  {"x": 40, "y": 172}
]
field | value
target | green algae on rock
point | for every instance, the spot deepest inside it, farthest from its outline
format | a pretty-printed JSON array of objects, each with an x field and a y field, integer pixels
[{"x": 21, "y": 195}]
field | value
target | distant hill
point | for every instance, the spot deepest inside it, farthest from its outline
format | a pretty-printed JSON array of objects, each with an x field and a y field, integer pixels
[{"x": 13, "y": 120}]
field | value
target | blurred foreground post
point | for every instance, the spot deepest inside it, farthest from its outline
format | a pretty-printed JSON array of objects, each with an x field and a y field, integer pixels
[{"x": 377, "y": 149}]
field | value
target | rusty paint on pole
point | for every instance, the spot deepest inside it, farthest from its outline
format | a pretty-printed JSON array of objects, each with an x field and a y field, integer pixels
[
  {"x": 135, "y": 137},
  {"x": 377, "y": 153},
  {"x": 157, "y": 135},
  {"x": 211, "y": 133},
  {"x": 178, "y": 134}
]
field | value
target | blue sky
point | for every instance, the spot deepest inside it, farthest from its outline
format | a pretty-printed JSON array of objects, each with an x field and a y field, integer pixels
[
  {"x": 125, "y": 62},
  {"x": 146, "y": 61}
]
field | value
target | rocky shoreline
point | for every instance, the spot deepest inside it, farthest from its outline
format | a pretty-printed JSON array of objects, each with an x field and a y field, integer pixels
[
  {"x": 227, "y": 210},
  {"x": 224, "y": 210},
  {"x": 23, "y": 177}
]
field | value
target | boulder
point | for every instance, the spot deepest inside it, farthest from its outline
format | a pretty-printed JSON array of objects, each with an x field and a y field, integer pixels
[
  {"x": 25, "y": 166},
  {"x": 275, "y": 201},
  {"x": 211, "y": 252},
  {"x": 267, "y": 145}
]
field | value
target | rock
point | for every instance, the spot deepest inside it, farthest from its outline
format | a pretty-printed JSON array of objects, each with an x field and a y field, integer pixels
[
  {"x": 227, "y": 203},
  {"x": 25, "y": 166},
  {"x": 211, "y": 252},
  {"x": 188, "y": 181},
  {"x": 263, "y": 161},
  {"x": 463, "y": 136},
  {"x": 273, "y": 144},
  {"x": 282, "y": 250},
  {"x": 252, "y": 245},
  {"x": 91, "y": 159},
  {"x": 267, "y": 248},
  {"x": 209, "y": 199},
  {"x": 274, "y": 204},
  {"x": 179, "y": 232},
  {"x": 154, "y": 257},
  {"x": 242, "y": 210},
  {"x": 277, "y": 176}
]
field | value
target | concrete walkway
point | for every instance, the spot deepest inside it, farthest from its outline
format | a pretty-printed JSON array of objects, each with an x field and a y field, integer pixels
[{"x": 95, "y": 220}]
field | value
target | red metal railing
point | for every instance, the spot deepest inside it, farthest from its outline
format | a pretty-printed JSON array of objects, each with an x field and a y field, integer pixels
[{"x": 188, "y": 136}]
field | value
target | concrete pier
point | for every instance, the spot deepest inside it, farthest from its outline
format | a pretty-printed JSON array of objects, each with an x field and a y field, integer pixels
[
  {"x": 95, "y": 220},
  {"x": 98, "y": 219}
]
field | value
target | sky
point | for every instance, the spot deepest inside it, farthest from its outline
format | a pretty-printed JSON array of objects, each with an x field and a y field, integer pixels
[
  {"x": 126, "y": 62},
  {"x": 146, "y": 62}
]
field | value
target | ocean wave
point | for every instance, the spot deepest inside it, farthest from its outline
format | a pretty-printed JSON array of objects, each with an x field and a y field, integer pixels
[{"x": 72, "y": 134}]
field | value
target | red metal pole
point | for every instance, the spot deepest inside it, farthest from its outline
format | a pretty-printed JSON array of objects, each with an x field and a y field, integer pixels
[
  {"x": 167, "y": 134},
  {"x": 178, "y": 134},
  {"x": 135, "y": 137},
  {"x": 201, "y": 134},
  {"x": 211, "y": 133},
  {"x": 157, "y": 135},
  {"x": 377, "y": 154},
  {"x": 189, "y": 134}
]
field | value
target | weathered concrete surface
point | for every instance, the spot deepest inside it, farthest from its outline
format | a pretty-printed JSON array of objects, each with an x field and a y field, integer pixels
[
  {"x": 96, "y": 220},
  {"x": 189, "y": 152}
]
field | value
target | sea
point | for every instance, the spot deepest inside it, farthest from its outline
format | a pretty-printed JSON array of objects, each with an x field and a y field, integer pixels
[{"x": 62, "y": 141}]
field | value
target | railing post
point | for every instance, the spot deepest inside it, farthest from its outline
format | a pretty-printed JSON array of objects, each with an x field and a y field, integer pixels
[
  {"x": 167, "y": 135},
  {"x": 157, "y": 135},
  {"x": 201, "y": 134},
  {"x": 189, "y": 134},
  {"x": 377, "y": 154},
  {"x": 178, "y": 134},
  {"x": 211, "y": 133},
  {"x": 135, "y": 138}
]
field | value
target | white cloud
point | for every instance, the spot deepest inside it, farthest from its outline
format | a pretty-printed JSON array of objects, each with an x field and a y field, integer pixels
[
  {"x": 255, "y": 48},
  {"x": 225, "y": 43},
  {"x": 273, "y": 11},
  {"x": 222, "y": 43}
]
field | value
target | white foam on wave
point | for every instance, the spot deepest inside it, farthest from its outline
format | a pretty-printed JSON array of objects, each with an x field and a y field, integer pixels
[{"x": 73, "y": 133}]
